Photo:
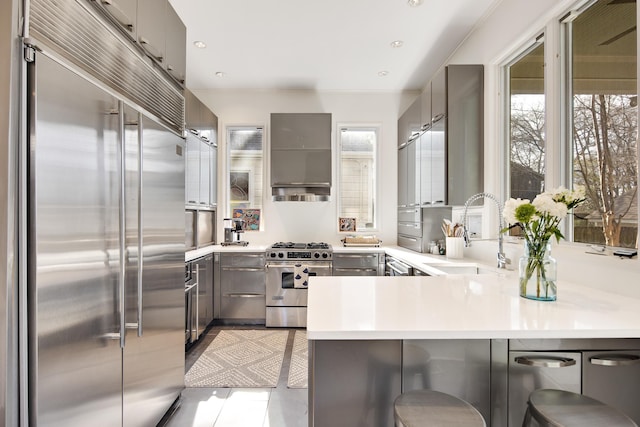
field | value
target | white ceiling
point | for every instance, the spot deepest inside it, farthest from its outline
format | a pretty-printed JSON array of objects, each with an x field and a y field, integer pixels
[{"x": 322, "y": 44}]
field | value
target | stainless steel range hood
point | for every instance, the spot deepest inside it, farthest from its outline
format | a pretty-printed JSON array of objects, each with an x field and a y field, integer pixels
[{"x": 301, "y": 156}]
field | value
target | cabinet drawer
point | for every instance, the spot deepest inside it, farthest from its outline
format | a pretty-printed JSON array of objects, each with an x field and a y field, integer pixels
[
  {"x": 243, "y": 306},
  {"x": 410, "y": 229},
  {"x": 409, "y": 215},
  {"x": 362, "y": 260},
  {"x": 239, "y": 280},
  {"x": 413, "y": 243},
  {"x": 242, "y": 260}
]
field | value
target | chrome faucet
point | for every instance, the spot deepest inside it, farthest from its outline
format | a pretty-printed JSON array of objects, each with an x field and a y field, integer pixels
[{"x": 502, "y": 259}]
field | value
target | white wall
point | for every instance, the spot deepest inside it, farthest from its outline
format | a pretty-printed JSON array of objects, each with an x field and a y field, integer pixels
[{"x": 311, "y": 221}]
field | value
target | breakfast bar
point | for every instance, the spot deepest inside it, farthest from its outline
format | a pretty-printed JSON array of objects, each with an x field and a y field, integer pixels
[{"x": 371, "y": 338}]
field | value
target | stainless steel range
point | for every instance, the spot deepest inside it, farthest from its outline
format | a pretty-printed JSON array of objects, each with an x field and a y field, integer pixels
[{"x": 289, "y": 266}]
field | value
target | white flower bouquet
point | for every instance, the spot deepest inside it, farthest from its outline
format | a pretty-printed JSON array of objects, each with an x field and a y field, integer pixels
[{"x": 539, "y": 221}]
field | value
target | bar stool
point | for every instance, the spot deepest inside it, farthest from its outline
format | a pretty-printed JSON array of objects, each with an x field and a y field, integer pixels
[
  {"x": 434, "y": 409},
  {"x": 559, "y": 408}
]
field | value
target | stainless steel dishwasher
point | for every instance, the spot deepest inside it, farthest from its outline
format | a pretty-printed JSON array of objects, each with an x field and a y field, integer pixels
[{"x": 395, "y": 267}]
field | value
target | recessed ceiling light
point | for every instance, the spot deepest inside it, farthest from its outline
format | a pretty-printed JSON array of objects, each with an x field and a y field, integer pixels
[
  {"x": 397, "y": 43},
  {"x": 199, "y": 44},
  {"x": 382, "y": 73},
  {"x": 220, "y": 74},
  {"x": 414, "y": 3}
]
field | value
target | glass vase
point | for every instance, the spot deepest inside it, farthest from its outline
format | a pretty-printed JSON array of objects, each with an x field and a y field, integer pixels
[{"x": 538, "y": 272}]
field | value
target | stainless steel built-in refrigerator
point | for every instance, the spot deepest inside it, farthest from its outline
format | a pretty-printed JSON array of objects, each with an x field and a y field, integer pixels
[{"x": 106, "y": 254}]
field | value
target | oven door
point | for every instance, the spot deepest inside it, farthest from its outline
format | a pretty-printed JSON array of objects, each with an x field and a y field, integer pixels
[{"x": 282, "y": 288}]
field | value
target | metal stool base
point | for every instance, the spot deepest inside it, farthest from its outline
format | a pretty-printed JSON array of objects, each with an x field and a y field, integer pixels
[
  {"x": 559, "y": 408},
  {"x": 434, "y": 409}
]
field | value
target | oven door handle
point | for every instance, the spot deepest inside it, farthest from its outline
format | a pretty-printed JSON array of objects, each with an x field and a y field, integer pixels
[{"x": 312, "y": 265}]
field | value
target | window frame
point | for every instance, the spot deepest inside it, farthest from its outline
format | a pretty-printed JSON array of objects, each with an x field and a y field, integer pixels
[
  {"x": 377, "y": 128},
  {"x": 252, "y": 173}
]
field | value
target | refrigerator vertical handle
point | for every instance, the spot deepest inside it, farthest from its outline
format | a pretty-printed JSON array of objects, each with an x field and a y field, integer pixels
[
  {"x": 122, "y": 223},
  {"x": 140, "y": 233}
]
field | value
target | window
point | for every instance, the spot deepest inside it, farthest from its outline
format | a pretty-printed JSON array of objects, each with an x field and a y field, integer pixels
[
  {"x": 602, "y": 115},
  {"x": 358, "y": 180},
  {"x": 245, "y": 160},
  {"x": 526, "y": 112}
]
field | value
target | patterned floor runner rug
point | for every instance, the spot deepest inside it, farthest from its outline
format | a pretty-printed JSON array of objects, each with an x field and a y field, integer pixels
[
  {"x": 240, "y": 358},
  {"x": 298, "y": 370}
]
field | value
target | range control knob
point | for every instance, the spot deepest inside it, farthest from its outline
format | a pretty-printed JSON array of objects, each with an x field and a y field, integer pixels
[
  {"x": 280, "y": 255},
  {"x": 325, "y": 255},
  {"x": 316, "y": 255},
  {"x": 272, "y": 255}
]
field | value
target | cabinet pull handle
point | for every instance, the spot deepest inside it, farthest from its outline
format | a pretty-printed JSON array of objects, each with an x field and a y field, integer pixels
[
  {"x": 243, "y": 268},
  {"x": 615, "y": 360},
  {"x": 545, "y": 361},
  {"x": 245, "y": 295},
  {"x": 150, "y": 49}
]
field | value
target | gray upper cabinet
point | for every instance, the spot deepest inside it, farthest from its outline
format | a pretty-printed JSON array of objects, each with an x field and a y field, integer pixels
[
  {"x": 201, "y": 169},
  {"x": 157, "y": 29},
  {"x": 410, "y": 122},
  {"x": 123, "y": 13},
  {"x": 439, "y": 94},
  {"x": 464, "y": 132},
  {"x": 175, "y": 45},
  {"x": 151, "y": 28},
  {"x": 425, "y": 110}
]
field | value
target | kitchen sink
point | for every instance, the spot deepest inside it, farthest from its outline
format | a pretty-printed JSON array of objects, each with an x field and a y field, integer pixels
[{"x": 458, "y": 268}]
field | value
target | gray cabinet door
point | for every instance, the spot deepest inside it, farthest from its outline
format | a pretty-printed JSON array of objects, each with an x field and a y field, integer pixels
[
  {"x": 465, "y": 132},
  {"x": 529, "y": 371},
  {"x": 151, "y": 28},
  {"x": 413, "y": 173},
  {"x": 612, "y": 377},
  {"x": 205, "y": 292},
  {"x": 403, "y": 161},
  {"x": 175, "y": 45},
  {"x": 205, "y": 174},
  {"x": 192, "y": 175},
  {"x": 123, "y": 13}
]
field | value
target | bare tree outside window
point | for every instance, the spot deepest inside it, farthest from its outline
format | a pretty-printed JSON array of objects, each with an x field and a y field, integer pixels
[
  {"x": 604, "y": 122},
  {"x": 527, "y": 124}
]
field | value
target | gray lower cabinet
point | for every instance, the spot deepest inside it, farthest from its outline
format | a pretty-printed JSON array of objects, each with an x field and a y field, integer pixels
[
  {"x": 358, "y": 264},
  {"x": 461, "y": 368},
  {"x": 205, "y": 292},
  {"x": 529, "y": 371},
  {"x": 613, "y": 377},
  {"x": 242, "y": 288}
]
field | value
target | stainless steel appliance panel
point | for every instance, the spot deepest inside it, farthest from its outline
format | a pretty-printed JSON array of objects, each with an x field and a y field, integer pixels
[
  {"x": 529, "y": 371},
  {"x": 205, "y": 292},
  {"x": 409, "y": 214},
  {"x": 357, "y": 260},
  {"x": 154, "y": 354},
  {"x": 612, "y": 377},
  {"x": 286, "y": 317},
  {"x": 206, "y": 227},
  {"x": 190, "y": 229},
  {"x": 74, "y": 259}
]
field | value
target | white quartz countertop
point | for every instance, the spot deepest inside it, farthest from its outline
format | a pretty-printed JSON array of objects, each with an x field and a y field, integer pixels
[{"x": 483, "y": 306}]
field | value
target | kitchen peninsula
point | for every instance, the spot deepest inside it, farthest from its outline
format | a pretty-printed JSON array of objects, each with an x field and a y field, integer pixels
[{"x": 373, "y": 337}]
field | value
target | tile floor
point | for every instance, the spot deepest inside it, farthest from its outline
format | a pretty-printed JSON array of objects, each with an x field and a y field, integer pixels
[{"x": 241, "y": 407}]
